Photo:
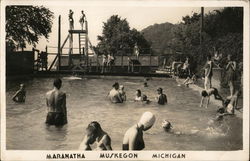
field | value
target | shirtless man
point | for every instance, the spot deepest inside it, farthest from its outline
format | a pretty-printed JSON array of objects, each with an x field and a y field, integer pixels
[
  {"x": 208, "y": 93},
  {"x": 133, "y": 138},
  {"x": 56, "y": 105},
  {"x": 114, "y": 95},
  {"x": 96, "y": 134},
  {"x": 20, "y": 95}
]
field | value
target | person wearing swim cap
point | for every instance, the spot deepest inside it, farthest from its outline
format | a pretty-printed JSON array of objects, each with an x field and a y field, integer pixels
[
  {"x": 20, "y": 95},
  {"x": 114, "y": 95},
  {"x": 96, "y": 134},
  {"x": 133, "y": 138}
]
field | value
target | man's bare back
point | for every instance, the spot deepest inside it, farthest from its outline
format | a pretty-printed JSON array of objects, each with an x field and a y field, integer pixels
[{"x": 56, "y": 105}]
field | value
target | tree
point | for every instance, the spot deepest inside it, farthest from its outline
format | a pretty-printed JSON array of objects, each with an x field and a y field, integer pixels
[
  {"x": 118, "y": 38},
  {"x": 26, "y": 24}
]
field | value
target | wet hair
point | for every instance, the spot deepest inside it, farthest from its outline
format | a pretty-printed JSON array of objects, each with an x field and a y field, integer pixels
[
  {"x": 93, "y": 127},
  {"x": 139, "y": 91},
  {"x": 58, "y": 83},
  {"x": 204, "y": 93}
]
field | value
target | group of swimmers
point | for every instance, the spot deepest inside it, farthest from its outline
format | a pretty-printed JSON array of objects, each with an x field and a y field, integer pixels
[
  {"x": 118, "y": 95},
  {"x": 132, "y": 140}
]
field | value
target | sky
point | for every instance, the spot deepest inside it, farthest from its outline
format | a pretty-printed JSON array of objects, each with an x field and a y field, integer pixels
[{"x": 139, "y": 17}]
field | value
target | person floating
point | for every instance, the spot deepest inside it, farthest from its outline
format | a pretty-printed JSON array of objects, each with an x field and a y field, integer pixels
[
  {"x": 114, "y": 95},
  {"x": 208, "y": 93},
  {"x": 20, "y": 95},
  {"x": 161, "y": 98},
  {"x": 123, "y": 93},
  {"x": 133, "y": 138},
  {"x": 96, "y": 134},
  {"x": 71, "y": 20},
  {"x": 82, "y": 19},
  {"x": 56, "y": 105},
  {"x": 208, "y": 73}
]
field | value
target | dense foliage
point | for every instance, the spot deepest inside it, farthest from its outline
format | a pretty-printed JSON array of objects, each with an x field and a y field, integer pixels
[
  {"x": 223, "y": 32},
  {"x": 118, "y": 38},
  {"x": 26, "y": 24}
]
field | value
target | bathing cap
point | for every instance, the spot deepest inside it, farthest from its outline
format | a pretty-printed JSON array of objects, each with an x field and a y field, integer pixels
[{"x": 147, "y": 120}]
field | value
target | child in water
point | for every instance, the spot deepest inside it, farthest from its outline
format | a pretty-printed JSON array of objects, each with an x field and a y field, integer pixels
[
  {"x": 166, "y": 125},
  {"x": 145, "y": 99},
  {"x": 161, "y": 98},
  {"x": 138, "y": 96},
  {"x": 20, "y": 95},
  {"x": 123, "y": 93}
]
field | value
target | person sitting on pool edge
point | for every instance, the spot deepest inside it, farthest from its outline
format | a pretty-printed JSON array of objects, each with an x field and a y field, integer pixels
[
  {"x": 114, "y": 95},
  {"x": 208, "y": 93},
  {"x": 161, "y": 98},
  {"x": 56, "y": 105},
  {"x": 123, "y": 93},
  {"x": 20, "y": 95},
  {"x": 133, "y": 138},
  {"x": 96, "y": 134},
  {"x": 138, "y": 96}
]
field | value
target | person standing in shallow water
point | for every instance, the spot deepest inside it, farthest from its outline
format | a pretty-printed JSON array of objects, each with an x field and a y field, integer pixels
[
  {"x": 56, "y": 105},
  {"x": 133, "y": 138},
  {"x": 115, "y": 95},
  {"x": 231, "y": 75},
  {"x": 20, "y": 95}
]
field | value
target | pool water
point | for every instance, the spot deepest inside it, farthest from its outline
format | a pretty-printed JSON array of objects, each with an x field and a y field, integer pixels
[{"x": 194, "y": 127}]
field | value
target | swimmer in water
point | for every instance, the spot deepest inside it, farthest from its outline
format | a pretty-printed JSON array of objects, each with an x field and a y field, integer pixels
[
  {"x": 138, "y": 96},
  {"x": 95, "y": 134},
  {"x": 229, "y": 106},
  {"x": 161, "y": 98},
  {"x": 145, "y": 99},
  {"x": 133, "y": 138},
  {"x": 208, "y": 93},
  {"x": 20, "y": 95},
  {"x": 114, "y": 95},
  {"x": 56, "y": 105},
  {"x": 123, "y": 93},
  {"x": 166, "y": 125}
]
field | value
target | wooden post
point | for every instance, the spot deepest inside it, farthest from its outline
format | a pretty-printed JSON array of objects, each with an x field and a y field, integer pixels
[
  {"x": 86, "y": 44},
  {"x": 59, "y": 43},
  {"x": 201, "y": 24}
]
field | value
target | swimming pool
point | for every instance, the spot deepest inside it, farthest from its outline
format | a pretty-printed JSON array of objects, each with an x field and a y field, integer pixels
[{"x": 87, "y": 101}]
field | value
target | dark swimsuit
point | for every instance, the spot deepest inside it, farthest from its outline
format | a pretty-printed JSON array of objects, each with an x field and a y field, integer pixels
[{"x": 139, "y": 144}]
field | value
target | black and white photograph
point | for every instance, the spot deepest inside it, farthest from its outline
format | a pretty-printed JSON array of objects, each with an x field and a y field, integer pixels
[{"x": 119, "y": 80}]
